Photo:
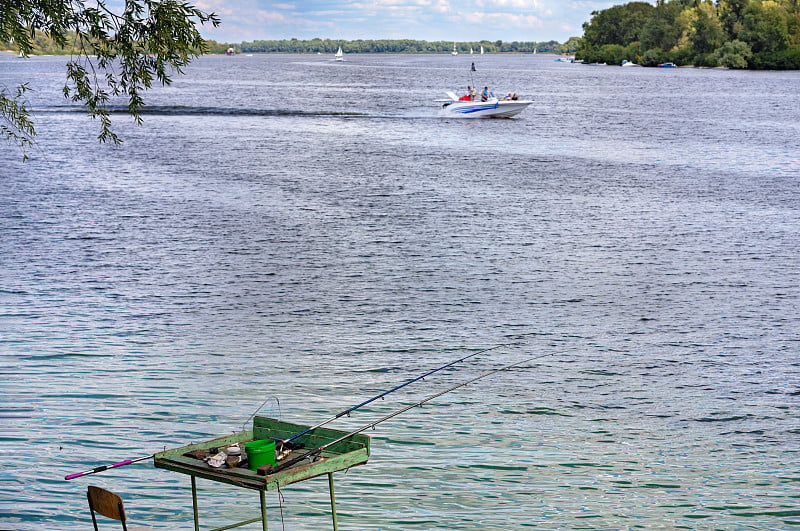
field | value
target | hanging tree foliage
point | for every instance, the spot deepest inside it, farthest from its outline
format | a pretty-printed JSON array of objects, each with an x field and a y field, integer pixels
[{"x": 120, "y": 53}]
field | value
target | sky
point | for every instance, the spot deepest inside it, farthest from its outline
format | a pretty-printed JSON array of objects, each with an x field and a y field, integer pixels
[{"x": 429, "y": 20}]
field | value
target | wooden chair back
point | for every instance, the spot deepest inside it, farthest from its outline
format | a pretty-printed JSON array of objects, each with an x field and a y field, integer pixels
[{"x": 106, "y": 503}]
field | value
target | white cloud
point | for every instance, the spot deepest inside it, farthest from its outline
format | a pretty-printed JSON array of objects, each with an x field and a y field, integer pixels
[
  {"x": 442, "y": 6},
  {"x": 591, "y": 5},
  {"x": 270, "y": 17},
  {"x": 502, "y": 19},
  {"x": 517, "y": 4},
  {"x": 215, "y": 6}
]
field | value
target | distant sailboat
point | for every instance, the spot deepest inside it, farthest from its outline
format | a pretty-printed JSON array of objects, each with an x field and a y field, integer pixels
[
  {"x": 455, "y": 52},
  {"x": 481, "y": 49},
  {"x": 339, "y": 55}
]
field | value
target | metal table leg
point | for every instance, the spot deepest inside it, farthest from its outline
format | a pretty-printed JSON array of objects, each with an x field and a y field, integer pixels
[
  {"x": 263, "y": 494},
  {"x": 194, "y": 504},
  {"x": 333, "y": 501}
]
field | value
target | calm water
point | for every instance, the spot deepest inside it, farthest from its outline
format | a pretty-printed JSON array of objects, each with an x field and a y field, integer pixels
[{"x": 285, "y": 228}]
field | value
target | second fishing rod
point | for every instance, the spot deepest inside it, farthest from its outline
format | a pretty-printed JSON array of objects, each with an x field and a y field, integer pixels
[
  {"x": 349, "y": 410},
  {"x": 315, "y": 453},
  {"x": 287, "y": 442}
]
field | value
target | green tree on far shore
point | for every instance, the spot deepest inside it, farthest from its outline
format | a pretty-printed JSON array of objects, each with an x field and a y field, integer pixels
[{"x": 761, "y": 34}]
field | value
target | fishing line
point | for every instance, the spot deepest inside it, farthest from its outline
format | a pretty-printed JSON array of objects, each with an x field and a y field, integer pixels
[{"x": 280, "y": 504}]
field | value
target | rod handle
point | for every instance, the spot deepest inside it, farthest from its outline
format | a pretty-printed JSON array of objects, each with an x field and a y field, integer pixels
[{"x": 98, "y": 469}]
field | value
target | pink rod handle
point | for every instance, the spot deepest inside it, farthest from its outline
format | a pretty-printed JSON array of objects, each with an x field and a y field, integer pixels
[{"x": 101, "y": 469}]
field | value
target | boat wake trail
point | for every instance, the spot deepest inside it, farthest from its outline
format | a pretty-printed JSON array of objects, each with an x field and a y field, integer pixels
[{"x": 181, "y": 110}]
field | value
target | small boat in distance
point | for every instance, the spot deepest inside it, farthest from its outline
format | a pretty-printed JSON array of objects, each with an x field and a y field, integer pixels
[
  {"x": 667, "y": 65},
  {"x": 339, "y": 56},
  {"x": 454, "y": 52},
  {"x": 625, "y": 62}
]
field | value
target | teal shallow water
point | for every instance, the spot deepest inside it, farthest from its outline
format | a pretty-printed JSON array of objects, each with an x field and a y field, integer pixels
[{"x": 642, "y": 225}]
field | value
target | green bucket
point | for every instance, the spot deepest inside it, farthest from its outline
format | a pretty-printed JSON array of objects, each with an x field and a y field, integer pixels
[{"x": 260, "y": 452}]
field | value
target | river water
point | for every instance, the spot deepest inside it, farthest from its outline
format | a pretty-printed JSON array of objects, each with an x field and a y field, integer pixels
[{"x": 307, "y": 233}]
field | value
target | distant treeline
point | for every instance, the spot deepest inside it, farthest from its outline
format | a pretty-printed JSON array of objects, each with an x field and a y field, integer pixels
[
  {"x": 43, "y": 45},
  {"x": 401, "y": 46},
  {"x": 758, "y": 34}
]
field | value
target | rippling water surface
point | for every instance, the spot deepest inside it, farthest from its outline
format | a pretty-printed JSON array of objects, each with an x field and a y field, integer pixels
[{"x": 285, "y": 228}]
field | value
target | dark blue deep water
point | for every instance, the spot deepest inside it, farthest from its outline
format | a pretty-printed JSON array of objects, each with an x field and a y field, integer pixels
[{"x": 286, "y": 228}]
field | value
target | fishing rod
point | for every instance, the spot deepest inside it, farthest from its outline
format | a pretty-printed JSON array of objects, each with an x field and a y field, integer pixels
[
  {"x": 303, "y": 432},
  {"x": 317, "y": 451},
  {"x": 388, "y": 391},
  {"x": 107, "y": 467}
]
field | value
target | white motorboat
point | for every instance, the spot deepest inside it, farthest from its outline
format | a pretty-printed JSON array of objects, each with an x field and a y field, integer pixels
[{"x": 457, "y": 107}]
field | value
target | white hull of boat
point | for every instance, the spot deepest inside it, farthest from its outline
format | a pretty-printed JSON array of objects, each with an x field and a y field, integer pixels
[{"x": 483, "y": 109}]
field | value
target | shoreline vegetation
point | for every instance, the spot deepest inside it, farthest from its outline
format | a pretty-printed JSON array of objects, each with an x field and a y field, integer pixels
[
  {"x": 43, "y": 45},
  {"x": 744, "y": 34},
  {"x": 741, "y": 34},
  {"x": 404, "y": 46}
]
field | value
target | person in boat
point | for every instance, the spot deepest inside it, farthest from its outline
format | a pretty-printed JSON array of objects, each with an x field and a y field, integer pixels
[
  {"x": 508, "y": 97},
  {"x": 485, "y": 94},
  {"x": 472, "y": 93},
  {"x": 468, "y": 95},
  {"x": 514, "y": 96}
]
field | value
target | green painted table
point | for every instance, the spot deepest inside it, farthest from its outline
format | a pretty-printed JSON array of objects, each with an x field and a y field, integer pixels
[{"x": 348, "y": 453}]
